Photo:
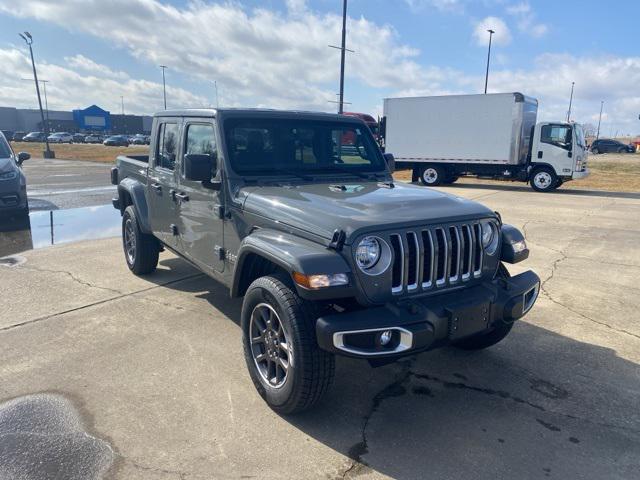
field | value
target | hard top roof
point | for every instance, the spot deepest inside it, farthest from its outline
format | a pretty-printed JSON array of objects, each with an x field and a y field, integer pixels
[{"x": 255, "y": 113}]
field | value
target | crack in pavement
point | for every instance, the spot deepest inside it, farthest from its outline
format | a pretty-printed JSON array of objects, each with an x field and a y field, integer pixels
[
  {"x": 72, "y": 276},
  {"x": 99, "y": 302},
  {"x": 130, "y": 461}
]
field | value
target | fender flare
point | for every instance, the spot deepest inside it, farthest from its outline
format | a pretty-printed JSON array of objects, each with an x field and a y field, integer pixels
[
  {"x": 135, "y": 190},
  {"x": 291, "y": 253}
]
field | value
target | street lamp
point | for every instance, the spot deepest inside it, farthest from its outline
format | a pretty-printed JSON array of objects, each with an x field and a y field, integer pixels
[
  {"x": 28, "y": 39},
  {"x": 343, "y": 49},
  {"x": 570, "y": 102},
  {"x": 46, "y": 102},
  {"x": 486, "y": 78},
  {"x": 599, "y": 120},
  {"x": 215, "y": 84},
  {"x": 164, "y": 86}
]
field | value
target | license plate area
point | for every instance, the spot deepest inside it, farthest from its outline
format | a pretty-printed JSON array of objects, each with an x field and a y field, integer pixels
[{"x": 466, "y": 320}]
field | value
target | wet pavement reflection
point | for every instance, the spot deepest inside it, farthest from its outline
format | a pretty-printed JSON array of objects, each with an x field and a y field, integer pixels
[{"x": 45, "y": 228}]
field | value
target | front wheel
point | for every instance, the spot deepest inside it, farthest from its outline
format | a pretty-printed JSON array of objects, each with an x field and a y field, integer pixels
[
  {"x": 432, "y": 175},
  {"x": 493, "y": 336},
  {"x": 289, "y": 370},
  {"x": 595, "y": 151},
  {"x": 544, "y": 179},
  {"x": 141, "y": 250}
]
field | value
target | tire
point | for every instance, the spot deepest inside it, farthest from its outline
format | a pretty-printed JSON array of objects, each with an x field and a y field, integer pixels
[
  {"x": 309, "y": 370},
  {"x": 595, "y": 151},
  {"x": 623, "y": 150},
  {"x": 141, "y": 250},
  {"x": 450, "y": 179},
  {"x": 496, "y": 335},
  {"x": 432, "y": 175},
  {"x": 543, "y": 179}
]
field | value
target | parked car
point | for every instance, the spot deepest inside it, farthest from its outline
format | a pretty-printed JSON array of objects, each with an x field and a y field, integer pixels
[
  {"x": 93, "y": 138},
  {"x": 60, "y": 137},
  {"x": 78, "y": 138},
  {"x": 117, "y": 141},
  {"x": 18, "y": 136},
  {"x": 13, "y": 184},
  {"x": 34, "y": 137},
  {"x": 607, "y": 145},
  {"x": 138, "y": 140},
  {"x": 331, "y": 255}
]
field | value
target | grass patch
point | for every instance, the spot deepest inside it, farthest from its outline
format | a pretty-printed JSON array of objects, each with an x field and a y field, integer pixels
[{"x": 81, "y": 151}]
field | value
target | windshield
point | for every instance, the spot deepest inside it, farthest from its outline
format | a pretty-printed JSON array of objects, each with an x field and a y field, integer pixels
[
  {"x": 5, "y": 150},
  {"x": 274, "y": 146},
  {"x": 579, "y": 135}
]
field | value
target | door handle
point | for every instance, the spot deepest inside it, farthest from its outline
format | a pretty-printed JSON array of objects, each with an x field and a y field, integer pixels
[
  {"x": 183, "y": 197},
  {"x": 157, "y": 187},
  {"x": 539, "y": 153}
]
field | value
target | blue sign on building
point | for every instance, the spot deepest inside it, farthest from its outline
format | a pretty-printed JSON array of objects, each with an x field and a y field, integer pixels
[{"x": 92, "y": 118}]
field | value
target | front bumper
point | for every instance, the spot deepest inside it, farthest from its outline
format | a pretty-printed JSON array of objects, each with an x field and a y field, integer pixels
[{"x": 423, "y": 324}]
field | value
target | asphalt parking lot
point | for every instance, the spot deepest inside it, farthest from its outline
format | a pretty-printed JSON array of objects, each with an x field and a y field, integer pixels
[
  {"x": 154, "y": 369},
  {"x": 58, "y": 184}
]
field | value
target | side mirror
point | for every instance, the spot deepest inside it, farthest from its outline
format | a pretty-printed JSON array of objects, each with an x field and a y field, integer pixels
[
  {"x": 22, "y": 156},
  {"x": 199, "y": 167},
  {"x": 391, "y": 162}
]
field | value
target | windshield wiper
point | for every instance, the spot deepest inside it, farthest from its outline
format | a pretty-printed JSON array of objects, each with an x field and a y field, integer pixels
[
  {"x": 365, "y": 175},
  {"x": 293, "y": 173}
]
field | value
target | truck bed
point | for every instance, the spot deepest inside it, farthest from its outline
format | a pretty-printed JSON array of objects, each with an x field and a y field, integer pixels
[{"x": 134, "y": 166}]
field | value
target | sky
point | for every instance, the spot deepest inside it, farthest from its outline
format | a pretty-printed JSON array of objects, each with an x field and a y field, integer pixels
[{"x": 276, "y": 54}]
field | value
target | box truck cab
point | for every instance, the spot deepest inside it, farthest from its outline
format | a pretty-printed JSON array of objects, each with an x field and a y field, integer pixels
[{"x": 488, "y": 136}]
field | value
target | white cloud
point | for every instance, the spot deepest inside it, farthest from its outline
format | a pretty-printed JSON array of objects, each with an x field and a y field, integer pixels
[
  {"x": 441, "y": 5},
  {"x": 502, "y": 35},
  {"x": 526, "y": 20},
  {"x": 258, "y": 57},
  {"x": 82, "y": 82}
]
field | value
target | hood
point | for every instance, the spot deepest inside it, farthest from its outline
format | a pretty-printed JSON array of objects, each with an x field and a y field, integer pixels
[
  {"x": 354, "y": 207},
  {"x": 7, "y": 165}
]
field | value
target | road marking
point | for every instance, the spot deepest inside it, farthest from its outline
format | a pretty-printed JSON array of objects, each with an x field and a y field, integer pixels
[
  {"x": 75, "y": 190},
  {"x": 66, "y": 175}
]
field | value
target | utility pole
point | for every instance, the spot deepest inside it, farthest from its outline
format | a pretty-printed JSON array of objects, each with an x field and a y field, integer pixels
[
  {"x": 122, "y": 103},
  {"x": 343, "y": 49},
  {"x": 338, "y": 102},
  {"x": 215, "y": 84},
  {"x": 486, "y": 78},
  {"x": 570, "y": 102},
  {"x": 28, "y": 39},
  {"x": 599, "y": 120},
  {"x": 164, "y": 86}
]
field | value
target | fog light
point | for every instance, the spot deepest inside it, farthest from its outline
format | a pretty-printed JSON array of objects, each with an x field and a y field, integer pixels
[{"x": 385, "y": 337}]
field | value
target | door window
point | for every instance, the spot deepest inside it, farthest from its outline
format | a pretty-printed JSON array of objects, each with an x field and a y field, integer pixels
[
  {"x": 201, "y": 140},
  {"x": 558, "y": 135},
  {"x": 167, "y": 146}
]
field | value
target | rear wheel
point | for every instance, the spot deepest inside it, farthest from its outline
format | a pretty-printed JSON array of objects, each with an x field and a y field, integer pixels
[
  {"x": 544, "y": 179},
  {"x": 495, "y": 335},
  {"x": 141, "y": 250},
  {"x": 287, "y": 367},
  {"x": 595, "y": 151},
  {"x": 432, "y": 175}
]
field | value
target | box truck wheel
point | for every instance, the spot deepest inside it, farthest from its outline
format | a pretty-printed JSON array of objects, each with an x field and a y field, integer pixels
[
  {"x": 544, "y": 179},
  {"x": 432, "y": 175}
]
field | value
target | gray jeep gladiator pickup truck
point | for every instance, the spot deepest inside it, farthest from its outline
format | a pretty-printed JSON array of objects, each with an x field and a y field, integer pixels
[{"x": 298, "y": 213}]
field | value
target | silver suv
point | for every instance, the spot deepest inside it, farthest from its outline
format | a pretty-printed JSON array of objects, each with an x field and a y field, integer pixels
[{"x": 13, "y": 184}]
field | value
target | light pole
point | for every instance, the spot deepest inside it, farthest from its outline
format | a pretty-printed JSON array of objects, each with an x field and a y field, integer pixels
[
  {"x": 164, "y": 86},
  {"x": 486, "y": 78},
  {"x": 570, "y": 102},
  {"x": 599, "y": 120},
  {"x": 215, "y": 84},
  {"x": 122, "y": 103},
  {"x": 28, "y": 39},
  {"x": 343, "y": 49},
  {"x": 46, "y": 102}
]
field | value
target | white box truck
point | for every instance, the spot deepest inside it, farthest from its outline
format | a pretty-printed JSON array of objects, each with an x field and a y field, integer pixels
[{"x": 487, "y": 136}]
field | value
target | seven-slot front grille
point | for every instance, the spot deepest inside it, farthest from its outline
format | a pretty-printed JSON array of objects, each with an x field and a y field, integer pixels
[{"x": 435, "y": 257}]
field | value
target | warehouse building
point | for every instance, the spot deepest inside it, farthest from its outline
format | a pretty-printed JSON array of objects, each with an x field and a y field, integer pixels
[{"x": 90, "y": 119}]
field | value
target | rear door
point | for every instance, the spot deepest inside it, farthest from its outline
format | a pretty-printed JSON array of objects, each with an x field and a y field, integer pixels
[
  {"x": 162, "y": 182},
  {"x": 200, "y": 208}
]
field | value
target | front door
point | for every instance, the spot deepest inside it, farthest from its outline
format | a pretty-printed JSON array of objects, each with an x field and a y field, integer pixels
[
  {"x": 555, "y": 147},
  {"x": 162, "y": 183},
  {"x": 200, "y": 208}
]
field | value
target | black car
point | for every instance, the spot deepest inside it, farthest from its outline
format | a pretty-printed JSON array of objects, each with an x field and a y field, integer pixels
[
  {"x": 34, "y": 137},
  {"x": 13, "y": 184},
  {"x": 117, "y": 141},
  {"x": 605, "y": 145},
  {"x": 93, "y": 138},
  {"x": 18, "y": 136},
  {"x": 78, "y": 138}
]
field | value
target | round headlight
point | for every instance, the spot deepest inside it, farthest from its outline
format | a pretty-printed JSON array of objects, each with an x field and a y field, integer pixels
[
  {"x": 368, "y": 253},
  {"x": 489, "y": 236}
]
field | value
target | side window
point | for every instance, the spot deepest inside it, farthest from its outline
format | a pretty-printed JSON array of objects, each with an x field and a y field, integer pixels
[
  {"x": 558, "y": 135},
  {"x": 201, "y": 140},
  {"x": 167, "y": 146}
]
